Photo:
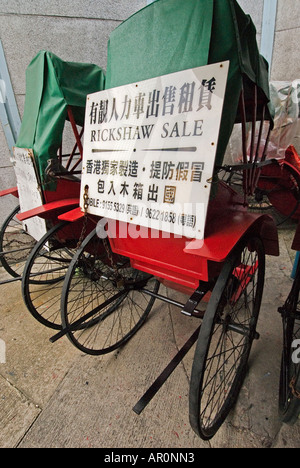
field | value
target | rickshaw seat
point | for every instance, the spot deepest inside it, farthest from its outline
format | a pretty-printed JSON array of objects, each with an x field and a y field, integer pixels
[{"x": 45, "y": 210}]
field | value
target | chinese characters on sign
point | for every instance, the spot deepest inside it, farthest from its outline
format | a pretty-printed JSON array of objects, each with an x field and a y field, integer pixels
[{"x": 150, "y": 147}]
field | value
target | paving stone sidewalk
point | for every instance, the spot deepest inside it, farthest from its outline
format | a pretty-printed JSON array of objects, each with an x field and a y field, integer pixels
[{"x": 51, "y": 395}]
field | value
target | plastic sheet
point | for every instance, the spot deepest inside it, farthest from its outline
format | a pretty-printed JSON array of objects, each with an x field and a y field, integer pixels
[
  {"x": 285, "y": 109},
  {"x": 285, "y": 100}
]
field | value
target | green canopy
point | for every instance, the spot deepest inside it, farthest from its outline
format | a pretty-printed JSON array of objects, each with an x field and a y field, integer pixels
[
  {"x": 174, "y": 35},
  {"x": 51, "y": 86}
]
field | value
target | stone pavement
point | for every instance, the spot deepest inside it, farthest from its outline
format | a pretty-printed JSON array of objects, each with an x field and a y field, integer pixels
[{"x": 51, "y": 395}]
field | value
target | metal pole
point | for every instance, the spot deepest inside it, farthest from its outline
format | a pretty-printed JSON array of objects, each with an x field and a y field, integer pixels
[
  {"x": 268, "y": 30},
  {"x": 9, "y": 114}
]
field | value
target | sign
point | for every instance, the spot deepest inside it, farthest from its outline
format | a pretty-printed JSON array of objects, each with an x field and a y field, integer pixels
[
  {"x": 29, "y": 190},
  {"x": 149, "y": 150}
]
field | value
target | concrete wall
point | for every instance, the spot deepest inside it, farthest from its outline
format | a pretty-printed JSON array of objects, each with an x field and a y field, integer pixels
[
  {"x": 75, "y": 30},
  {"x": 285, "y": 65},
  {"x": 78, "y": 30}
]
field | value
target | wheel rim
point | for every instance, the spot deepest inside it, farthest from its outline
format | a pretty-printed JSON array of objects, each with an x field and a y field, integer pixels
[
  {"x": 43, "y": 277},
  {"x": 289, "y": 404},
  {"x": 15, "y": 245},
  {"x": 108, "y": 311}
]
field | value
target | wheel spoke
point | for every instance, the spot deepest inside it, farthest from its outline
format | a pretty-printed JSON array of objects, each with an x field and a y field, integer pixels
[
  {"x": 43, "y": 276},
  {"x": 226, "y": 335},
  {"x": 109, "y": 313}
]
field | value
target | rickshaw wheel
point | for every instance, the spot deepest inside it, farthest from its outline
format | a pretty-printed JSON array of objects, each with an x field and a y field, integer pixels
[
  {"x": 289, "y": 387},
  {"x": 43, "y": 276},
  {"x": 15, "y": 244},
  {"x": 102, "y": 305},
  {"x": 226, "y": 336}
]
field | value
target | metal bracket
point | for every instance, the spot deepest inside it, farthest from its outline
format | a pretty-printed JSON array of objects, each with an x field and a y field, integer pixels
[
  {"x": 9, "y": 113},
  {"x": 191, "y": 305}
]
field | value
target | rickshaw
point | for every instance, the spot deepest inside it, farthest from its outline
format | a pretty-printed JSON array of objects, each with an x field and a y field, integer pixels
[
  {"x": 113, "y": 280},
  {"x": 280, "y": 183},
  {"x": 47, "y": 162},
  {"x": 289, "y": 384}
]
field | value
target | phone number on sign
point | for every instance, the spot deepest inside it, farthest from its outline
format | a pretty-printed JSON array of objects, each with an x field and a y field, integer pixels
[{"x": 149, "y": 213}]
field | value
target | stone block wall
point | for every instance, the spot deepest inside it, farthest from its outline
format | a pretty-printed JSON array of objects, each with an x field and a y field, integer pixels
[{"x": 78, "y": 31}]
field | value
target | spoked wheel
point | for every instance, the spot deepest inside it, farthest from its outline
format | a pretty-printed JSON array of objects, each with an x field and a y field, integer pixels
[
  {"x": 226, "y": 336},
  {"x": 102, "y": 302},
  {"x": 15, "y": 245},
  {"x": 289, "y": 388},
  {"x": 44, "y": 274}
]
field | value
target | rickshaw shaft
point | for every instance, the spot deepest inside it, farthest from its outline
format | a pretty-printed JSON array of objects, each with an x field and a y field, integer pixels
[
  {"x": 19, "y": 278},
  {"x": 11, "y": 280},
  {"x": 154, "y": 388},
  {"x": 7, "y": 252},
  {"x": 76, "y": 325}
]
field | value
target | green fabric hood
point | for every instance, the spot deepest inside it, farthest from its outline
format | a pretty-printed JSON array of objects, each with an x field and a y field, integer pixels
[
  {"x": 174, "y": 35},
  {"x": 51, "y": 86},
  {"x": 164, "y": 37}
]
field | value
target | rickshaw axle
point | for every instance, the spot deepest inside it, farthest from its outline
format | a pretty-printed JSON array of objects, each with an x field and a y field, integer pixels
[
  {"x": 240, "y": 329},
  {"x": 190, "y": 308}
]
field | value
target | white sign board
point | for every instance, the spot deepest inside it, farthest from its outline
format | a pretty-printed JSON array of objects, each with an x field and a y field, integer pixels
[
  {"x": 28, "y": 188},
  {"x": 149, "y": 149}
]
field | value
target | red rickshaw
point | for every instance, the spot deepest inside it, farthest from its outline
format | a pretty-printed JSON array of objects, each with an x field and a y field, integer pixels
[{"x": 112, "y": 282}]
